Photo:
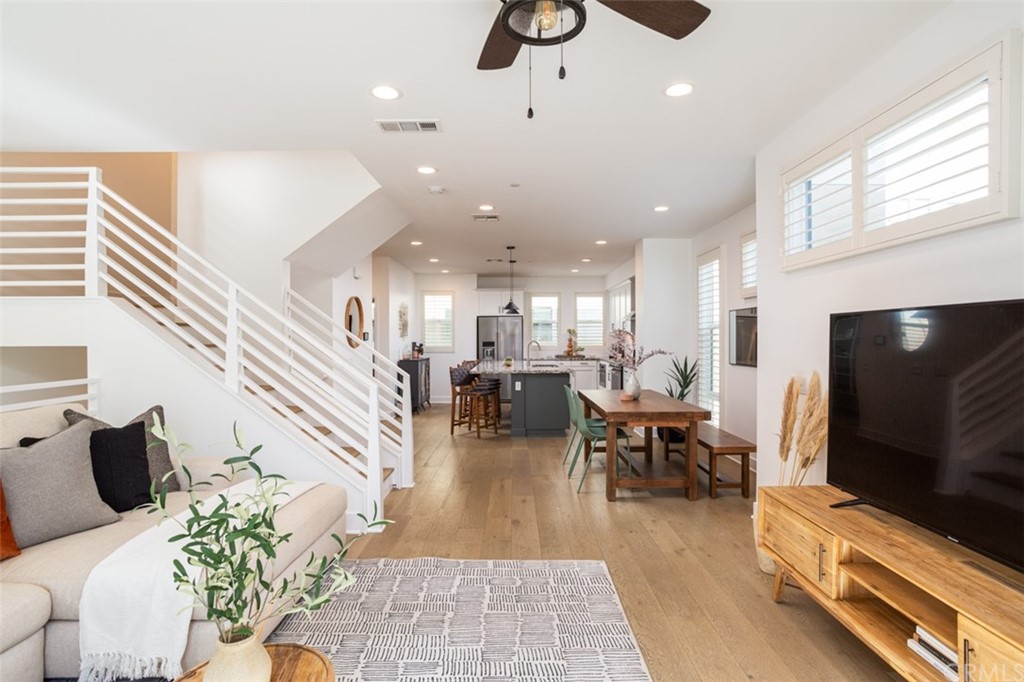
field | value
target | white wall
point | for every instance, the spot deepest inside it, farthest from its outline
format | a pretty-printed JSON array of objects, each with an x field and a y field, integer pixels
[
  {"x": 465, "y": 311},
  {"x": 312, "y": 285},
  {"x": 566, "y": 288},
  {"x": 983, "y": 263},
  {"x": 739, "y": 384},
  {"x": 665, "y": 305},
  {"x": 620, "y": 274},
  {"x": 246, "y": 212},
  {"x": 355, "y": 282}
]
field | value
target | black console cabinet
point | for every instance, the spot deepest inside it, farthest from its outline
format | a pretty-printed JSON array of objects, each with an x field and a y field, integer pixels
[{"x": 419, "y": 381}]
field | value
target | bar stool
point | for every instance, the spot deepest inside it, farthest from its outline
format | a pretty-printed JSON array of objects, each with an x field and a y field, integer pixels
[{"x": 462, "y": 383}]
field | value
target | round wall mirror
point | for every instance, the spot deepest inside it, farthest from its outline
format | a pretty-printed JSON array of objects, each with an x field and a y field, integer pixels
[{"x": 354, "y": 319}]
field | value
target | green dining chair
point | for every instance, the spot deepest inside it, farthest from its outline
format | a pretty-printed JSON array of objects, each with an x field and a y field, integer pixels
[
  {"x": 594, "y": 433},
  {"x": 572, "y": 398}
]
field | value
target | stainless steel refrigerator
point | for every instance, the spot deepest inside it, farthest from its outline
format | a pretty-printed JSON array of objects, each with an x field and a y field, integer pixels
[{"x": 499, "y": 337}]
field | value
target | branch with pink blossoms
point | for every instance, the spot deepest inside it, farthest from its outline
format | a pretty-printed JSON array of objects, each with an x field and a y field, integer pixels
[{"x": 623, "y": 350}]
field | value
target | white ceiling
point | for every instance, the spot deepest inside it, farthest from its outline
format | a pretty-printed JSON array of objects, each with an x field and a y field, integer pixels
[{"x": 606, "y": 145}]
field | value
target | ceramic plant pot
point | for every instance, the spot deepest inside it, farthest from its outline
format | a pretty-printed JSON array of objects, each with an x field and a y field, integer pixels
[{"x": 243, "y": 660}]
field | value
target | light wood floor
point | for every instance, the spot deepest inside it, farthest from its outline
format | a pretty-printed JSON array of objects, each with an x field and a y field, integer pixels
[{"x": 685, "y": 571}]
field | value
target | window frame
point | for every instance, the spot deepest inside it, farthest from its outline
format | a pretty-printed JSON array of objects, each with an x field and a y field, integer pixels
[
  {"x": 604, "y": 317},
  {"x": 423, "y": 320},
  {"x": 528, "y": 304},
  {"x": 999, "y": 62},
  {"x": 748, "y": 291},
  {"x": 706, "y": 258}
]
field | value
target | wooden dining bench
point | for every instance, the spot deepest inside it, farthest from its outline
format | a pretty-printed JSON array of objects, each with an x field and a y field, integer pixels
[{"x": 718, "y": 442}]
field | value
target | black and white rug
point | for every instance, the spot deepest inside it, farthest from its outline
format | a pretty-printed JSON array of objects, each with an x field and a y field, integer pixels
[{"x": 431, "y": 619}]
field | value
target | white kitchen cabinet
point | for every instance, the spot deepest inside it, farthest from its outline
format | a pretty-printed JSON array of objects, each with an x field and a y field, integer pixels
[
  {"x": 492, "y": 301},
  {"x": 585, "y": 372}
]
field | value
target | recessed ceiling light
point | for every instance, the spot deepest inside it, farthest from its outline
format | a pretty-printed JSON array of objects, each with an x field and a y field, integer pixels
[
  {"x": 601, "y": 242},
  {"x": 435, "y": 260},
  {"x": 575, "y": 270},
  {"x": 444, "y": 272},
  {"x": 416, "y": 243},
  {"x": 514, "y": 185},
  {"x": 486, "y": 207},
  {"x": 385, "y": 92},
  {"x": 678, "y": 89},
  {"x": 426, "y": 170},
  {"x": 661, "y": 209},
  {"x": 585, "y": 260}
]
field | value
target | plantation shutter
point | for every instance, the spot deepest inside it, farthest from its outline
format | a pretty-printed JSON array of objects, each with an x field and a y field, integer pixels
[
  {"x": 933, "y": 159},
  {"x": 709, "y": 334},
  {"x": 819, "y": 206},
  {"x": 590, "y": 321},
  {"x": 748, "y": 265},
  {"x": 544, "y": 319},
  {"x": 438, "y": 333}
]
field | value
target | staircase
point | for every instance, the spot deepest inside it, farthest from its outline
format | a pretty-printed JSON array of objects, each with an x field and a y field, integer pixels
[{"x": 65, "y": 234}]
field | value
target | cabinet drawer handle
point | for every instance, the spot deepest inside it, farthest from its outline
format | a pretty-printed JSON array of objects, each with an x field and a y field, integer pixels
[
  {"x": 966, "y": 663},
  {"x": 821, "y": 562}
]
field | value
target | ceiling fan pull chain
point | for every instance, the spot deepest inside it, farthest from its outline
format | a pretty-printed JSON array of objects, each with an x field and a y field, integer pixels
[
  {"x": 529, "y": 111},
  {"x": 561, "y": 43}
]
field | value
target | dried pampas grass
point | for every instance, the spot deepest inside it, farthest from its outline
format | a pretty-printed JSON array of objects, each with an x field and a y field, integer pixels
[
  {"x": 790, "y": 401},
  {"x": 813, "y": 431}
]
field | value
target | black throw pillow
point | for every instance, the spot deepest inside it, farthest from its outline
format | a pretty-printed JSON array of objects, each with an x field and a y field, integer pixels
[
  {"x": 120, "y": 466},
  {"x": 28, "y": 441}
]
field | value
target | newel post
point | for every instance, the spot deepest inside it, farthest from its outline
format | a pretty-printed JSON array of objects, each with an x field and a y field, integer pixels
[{"x": 93, "y": 286}]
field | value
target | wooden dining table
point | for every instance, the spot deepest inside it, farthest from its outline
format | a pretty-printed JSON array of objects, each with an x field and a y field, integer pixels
[{"x": 651, "y": 410}]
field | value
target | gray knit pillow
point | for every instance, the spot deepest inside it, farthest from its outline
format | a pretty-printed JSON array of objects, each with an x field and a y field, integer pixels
[
  {"x": 49, "y": 487},
  {"x": 157, "y": 452}
]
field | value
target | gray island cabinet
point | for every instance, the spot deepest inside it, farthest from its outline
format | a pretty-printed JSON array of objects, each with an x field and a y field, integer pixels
[{"x": 539, "y": 407}]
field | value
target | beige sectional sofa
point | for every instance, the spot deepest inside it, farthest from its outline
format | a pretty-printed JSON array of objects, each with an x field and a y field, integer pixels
[{"x": 41, "y": 588}]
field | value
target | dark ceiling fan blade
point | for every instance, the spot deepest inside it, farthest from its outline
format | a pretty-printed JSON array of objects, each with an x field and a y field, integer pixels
[
  {"x": 674, "y": 18},
  {"x": 499, "y": 51}
]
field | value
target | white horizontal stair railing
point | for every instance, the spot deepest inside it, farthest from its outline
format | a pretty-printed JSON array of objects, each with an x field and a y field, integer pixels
[
  {"x": 62, "y": 232},
  {"x": 16, "y": 397},
  {"x": 395, "y": 407}
]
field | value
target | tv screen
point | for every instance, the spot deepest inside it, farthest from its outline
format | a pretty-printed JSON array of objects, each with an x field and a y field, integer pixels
[{"x": 926, "y": 419}]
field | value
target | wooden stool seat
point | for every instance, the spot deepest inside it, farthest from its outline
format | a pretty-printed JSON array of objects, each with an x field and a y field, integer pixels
[{"x": 718, "y": 442}]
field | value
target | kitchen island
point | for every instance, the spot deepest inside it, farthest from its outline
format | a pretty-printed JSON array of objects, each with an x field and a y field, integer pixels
[{"x": 538, "y": 406}]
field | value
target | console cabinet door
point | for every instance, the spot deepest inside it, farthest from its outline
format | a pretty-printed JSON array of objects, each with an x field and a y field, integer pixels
[
  {"x": 809, "y": 549},
  {"x": 985, "y": 656}
]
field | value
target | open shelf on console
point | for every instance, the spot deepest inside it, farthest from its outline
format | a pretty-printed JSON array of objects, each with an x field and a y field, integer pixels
[
  {"x": 911, "y": 601},
  {"x": 890, "y": 631}
]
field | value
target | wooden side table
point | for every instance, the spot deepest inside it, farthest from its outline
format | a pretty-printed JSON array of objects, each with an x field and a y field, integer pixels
[{"x": 289, "y": 662}]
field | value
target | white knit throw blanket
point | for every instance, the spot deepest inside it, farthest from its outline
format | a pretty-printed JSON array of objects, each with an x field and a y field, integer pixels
[{"x": 133, "y": 621}]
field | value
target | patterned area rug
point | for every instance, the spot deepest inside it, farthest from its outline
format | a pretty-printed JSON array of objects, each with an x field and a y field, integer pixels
[{"x": 429, "y": 619}]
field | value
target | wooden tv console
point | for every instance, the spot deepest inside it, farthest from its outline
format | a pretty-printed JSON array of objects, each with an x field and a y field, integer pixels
[{"x": 881, "y": 575}]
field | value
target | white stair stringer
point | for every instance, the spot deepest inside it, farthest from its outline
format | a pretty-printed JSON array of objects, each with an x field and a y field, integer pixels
[{"x": 140, "y": 365}]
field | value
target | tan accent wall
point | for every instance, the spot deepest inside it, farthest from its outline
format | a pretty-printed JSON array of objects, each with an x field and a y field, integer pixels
[{"x": 146, "y": 180}]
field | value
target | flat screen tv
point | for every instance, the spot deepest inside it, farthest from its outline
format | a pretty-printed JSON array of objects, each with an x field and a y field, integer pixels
[{"x": 926, "y": 419}]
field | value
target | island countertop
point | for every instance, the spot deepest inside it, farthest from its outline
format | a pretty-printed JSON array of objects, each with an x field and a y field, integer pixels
[{"x": 519, "y": 367}]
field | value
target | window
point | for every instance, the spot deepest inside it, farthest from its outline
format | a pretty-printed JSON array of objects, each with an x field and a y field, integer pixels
[
  {"x": 438, "y": 330},
  {"x": 748, "y": 265},
  {"x": 543, "y": 311},
  {"x": 819, "y": 206},
  {"x": 709, "y": 337},
  {"x": 938, "y": 160},
  {"x": 590, "y": 321}
]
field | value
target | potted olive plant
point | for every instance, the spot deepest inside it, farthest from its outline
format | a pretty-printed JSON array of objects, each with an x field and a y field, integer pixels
[
  {"x": 681, "y": 378},
  {"x": 233, "y": 541}
]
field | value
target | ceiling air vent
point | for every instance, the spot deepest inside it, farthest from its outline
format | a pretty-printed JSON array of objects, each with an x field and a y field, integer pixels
[
  {"x": 409, "y": 126},
  {"x": 485, "y": 217}
]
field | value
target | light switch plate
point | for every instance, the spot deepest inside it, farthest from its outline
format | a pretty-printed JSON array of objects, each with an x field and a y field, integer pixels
[{"x": 519, "y": 385}]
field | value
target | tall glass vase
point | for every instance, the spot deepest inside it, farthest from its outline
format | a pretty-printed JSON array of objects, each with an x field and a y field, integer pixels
[{"x": 630, "y": 384}]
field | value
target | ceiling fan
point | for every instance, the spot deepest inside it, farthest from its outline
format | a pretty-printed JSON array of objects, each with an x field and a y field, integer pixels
[{"x": 553, "y": 22}]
